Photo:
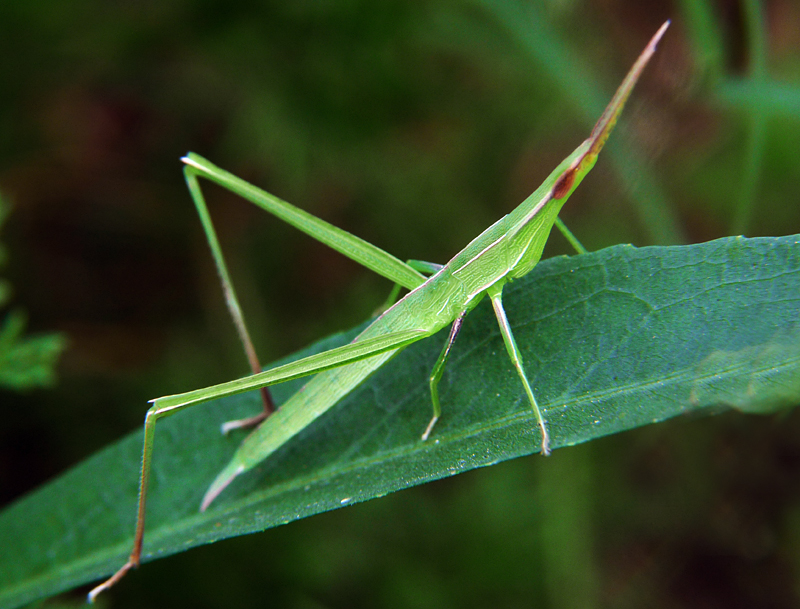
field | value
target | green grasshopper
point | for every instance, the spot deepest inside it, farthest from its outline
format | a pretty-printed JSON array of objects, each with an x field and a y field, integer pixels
[{"x": 505, "y": 251}]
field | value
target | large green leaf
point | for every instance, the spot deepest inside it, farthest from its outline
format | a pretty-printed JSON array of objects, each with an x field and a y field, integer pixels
[{"x": 613, "y": 340}]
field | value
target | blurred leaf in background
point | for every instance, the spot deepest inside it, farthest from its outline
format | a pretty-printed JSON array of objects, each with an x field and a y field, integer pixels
[
  {"x": 26, "y": 362},
  {"x": 413, "y": 125}
]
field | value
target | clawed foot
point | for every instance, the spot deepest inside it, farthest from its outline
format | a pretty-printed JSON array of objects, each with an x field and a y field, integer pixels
[
  {"x": 545, "y": 439},
  {"x": 429, "y": 428},
  {"x": 243, "y": 423},
  {"x": 132, "y": 563}
]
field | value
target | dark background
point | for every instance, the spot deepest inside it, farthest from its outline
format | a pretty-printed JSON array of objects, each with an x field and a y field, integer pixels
[{"x": 414, "y": 125}]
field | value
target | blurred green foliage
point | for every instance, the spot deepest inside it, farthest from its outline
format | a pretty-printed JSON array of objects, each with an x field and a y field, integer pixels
[
  {"x": 25, "y": 361},
  {"x": 414, "y": 125}
]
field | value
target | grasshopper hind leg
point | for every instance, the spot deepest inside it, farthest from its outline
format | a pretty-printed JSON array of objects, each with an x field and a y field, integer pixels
[{"x": 231, "y": 300}]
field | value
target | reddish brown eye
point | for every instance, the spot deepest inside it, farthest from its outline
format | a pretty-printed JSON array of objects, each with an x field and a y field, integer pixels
[{"x": 563, "y": 184}]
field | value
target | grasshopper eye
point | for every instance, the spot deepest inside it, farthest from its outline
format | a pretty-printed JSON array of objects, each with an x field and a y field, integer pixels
[{"x": 564, "y": 184}]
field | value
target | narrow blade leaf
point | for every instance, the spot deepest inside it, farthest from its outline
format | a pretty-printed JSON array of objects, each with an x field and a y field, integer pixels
[{"x": 612, "y": 340}]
